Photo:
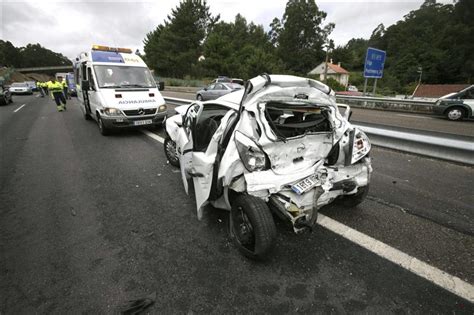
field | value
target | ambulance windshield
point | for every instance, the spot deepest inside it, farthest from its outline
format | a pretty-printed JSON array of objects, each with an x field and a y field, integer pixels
[{"x": 124, "y": 77}]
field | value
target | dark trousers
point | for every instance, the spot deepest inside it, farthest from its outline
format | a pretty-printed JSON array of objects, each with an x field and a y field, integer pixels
[
  {"x": 59, "y": 98},
  {"x": 66, "y": 95}
]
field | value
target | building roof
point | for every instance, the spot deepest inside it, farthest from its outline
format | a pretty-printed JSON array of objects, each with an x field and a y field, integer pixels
[
  {"x": 332, "y": 68},
  {"x": 337, "y": 68},
  {"x": 437, "y": 90}
]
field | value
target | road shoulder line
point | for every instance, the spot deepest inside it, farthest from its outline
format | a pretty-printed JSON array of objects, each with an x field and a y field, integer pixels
[
  {"x": 19, "y": 108},
  {"x": 434, "y": 275}
]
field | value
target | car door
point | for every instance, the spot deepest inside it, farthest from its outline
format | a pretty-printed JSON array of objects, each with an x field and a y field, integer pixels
[
  {"x": 94, "y": 101},
  {"x": 219, "y": 90},
  {"x": 184, "y": 142},
  {"x": 205, "y": 135}
]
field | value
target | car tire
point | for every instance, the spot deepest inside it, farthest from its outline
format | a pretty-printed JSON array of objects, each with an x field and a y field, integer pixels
[
  {"x": 103, "y": 130},
  {"x": 252, "y": 227},
  {"x": 199, "y": 97},
  {"x": 3, "y": 101},
  {"x": 87, "y": 116},
  {"x": 351, "y": 201},
  {"x": 170, "y": 147},
  {"x": 455, "y": 113}
]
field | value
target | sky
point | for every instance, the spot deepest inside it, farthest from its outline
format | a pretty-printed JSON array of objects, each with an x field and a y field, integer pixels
[{"x": 72, "y": 26}]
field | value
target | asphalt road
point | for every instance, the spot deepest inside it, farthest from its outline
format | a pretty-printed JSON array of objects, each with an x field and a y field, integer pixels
[
  {"x": 388, "y": 118},
  {"x": 89, "y": 222}
]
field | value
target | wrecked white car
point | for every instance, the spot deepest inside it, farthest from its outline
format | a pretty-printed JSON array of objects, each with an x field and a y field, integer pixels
[{"x": 280, "y": 145}]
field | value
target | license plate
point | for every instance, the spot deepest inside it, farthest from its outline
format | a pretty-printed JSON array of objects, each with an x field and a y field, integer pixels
[
  {"x": 142, "y": 122},
  {"x": 305, "y": 184}
]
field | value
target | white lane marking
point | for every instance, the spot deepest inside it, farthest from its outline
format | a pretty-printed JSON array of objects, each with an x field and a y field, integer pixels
[
  {"x": 414, "y": 116},
  {"x": 434, "y": 275},
  {"x": 19, "y": 108},
  {"x": 440, "y": 278},
  {"x": 154, "y": 136}
]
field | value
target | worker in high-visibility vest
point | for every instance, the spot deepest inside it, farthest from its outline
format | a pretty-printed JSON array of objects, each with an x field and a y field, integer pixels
[
  {"x": 56, "y": 89},
  {"x": 65, "y": 89},
  {"x": 39, "y": 85}
]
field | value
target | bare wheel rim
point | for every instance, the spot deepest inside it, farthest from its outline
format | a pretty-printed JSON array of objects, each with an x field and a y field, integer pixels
[
  {"x": 171, "y": 150},
  {"x": 455, "y": 114},
  {"x": 243, "y": 229}
]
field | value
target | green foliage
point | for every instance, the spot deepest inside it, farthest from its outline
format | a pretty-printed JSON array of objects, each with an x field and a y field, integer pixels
[
  {"x": 239, "y": 49},
  {"x": 336, "y": 86},
  {"x": 436, "y": 37},
  {"x": 174, "y": 47},
  {"x": 32, "y": 55},
  {"x": 299, "y": 36}
]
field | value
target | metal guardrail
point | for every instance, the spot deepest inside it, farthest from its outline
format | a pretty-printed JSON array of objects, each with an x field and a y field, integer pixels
[
  {"x": 460, "y": 150},
  {"x": 386, "y": 103},
  {"x": 370, "y": 99}
]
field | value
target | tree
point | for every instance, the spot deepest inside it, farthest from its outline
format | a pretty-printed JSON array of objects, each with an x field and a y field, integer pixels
[
  {"x": 300, "y": 36},
  {"x": 239, "y": 49},
  {"x": 32, "y": 55},
  {"x": 174, "y": 47}
]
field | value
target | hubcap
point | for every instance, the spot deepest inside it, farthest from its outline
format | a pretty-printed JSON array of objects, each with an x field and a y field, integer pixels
[
  {"x": 244, "y": 229},
  {"x": 454, "y": 114}
]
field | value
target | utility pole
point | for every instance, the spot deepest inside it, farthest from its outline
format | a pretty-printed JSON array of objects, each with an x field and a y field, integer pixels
[
  {"x": 326, "y": 65},
  {"x": 420, "y": 71}
]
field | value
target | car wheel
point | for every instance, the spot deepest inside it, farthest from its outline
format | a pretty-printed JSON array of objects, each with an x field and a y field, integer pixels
[
  {"x": 103, "y": 130},
  {"x": 170, "y": 152},
  {"x": 252, "y": 227},
  {"x": 351, "y": 201},
  {"x": 199, "y": 97},
  {"x": 455, "y": 113},
  {"x": 87, "y": 116},
  {"x": 3, "y": 101}
]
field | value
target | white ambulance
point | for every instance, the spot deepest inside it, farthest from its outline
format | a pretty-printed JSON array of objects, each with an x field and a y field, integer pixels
[{"x": 116, "y": 88}]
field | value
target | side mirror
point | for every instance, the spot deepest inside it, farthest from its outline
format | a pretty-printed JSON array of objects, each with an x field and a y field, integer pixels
[
  {"x": 161, "y": 86},
  {"x": 205, "y": 89},
  {"x": 85, "y": 85}
]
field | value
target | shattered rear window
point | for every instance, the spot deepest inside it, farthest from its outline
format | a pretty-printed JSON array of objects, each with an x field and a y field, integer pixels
[{"x": 293, "y": 120}]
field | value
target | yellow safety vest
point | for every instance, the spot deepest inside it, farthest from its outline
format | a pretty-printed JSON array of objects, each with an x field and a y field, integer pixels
[
  {"x": 64, "y": 83},
  {"x": 55, "y": 87}
]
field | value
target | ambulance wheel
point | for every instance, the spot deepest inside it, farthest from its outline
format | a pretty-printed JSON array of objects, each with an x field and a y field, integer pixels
[
  {"x": 87, "y": 116},
  {"x": 170, "y": 152},
  {"x": 103, "y": 130},
  {"x": 351, "y": 201},
  {"x": 252, "y": 227}
]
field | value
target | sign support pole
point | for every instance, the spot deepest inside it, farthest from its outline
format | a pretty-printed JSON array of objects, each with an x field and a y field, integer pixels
[
  {"x": 375, "y": 86},
  {"x": 365, "y": 87}
]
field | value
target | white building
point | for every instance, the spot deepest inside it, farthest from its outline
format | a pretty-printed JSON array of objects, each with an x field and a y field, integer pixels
[{"x": 336, "y": 72}]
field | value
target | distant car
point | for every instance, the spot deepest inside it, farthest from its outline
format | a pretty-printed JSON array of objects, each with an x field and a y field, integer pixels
[
  {"x": 32, "y": 85},
  {"x": 238, "y": 81},
  {"x": 352, "y": 88},
  {"x": 216, "y": 90},
  {"x": 20, "y": 88},
  {"x": 5, "y": 95},
  {"x": 456, "y": 106},
  {"x": 221, "y": 79}
]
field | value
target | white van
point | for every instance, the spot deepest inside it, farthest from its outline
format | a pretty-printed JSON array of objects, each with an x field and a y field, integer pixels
[{"x": 116, "y": 88}]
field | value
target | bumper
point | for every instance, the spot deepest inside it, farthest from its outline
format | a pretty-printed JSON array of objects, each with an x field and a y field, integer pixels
[
  {"x": 439, "y": 109},
  {"x": 133, "y": 122},
  {"x": 331, "y": 184},
  {"x": 21, "y": 92}
]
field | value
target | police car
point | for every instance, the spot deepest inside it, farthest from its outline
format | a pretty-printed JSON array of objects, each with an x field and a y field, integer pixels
[{"x": 116, "y": 88}]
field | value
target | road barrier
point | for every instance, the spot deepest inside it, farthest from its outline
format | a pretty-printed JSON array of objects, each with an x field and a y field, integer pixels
[
  {"x": 452, "y": 148},
  {"x": 386, "y": 103}
]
